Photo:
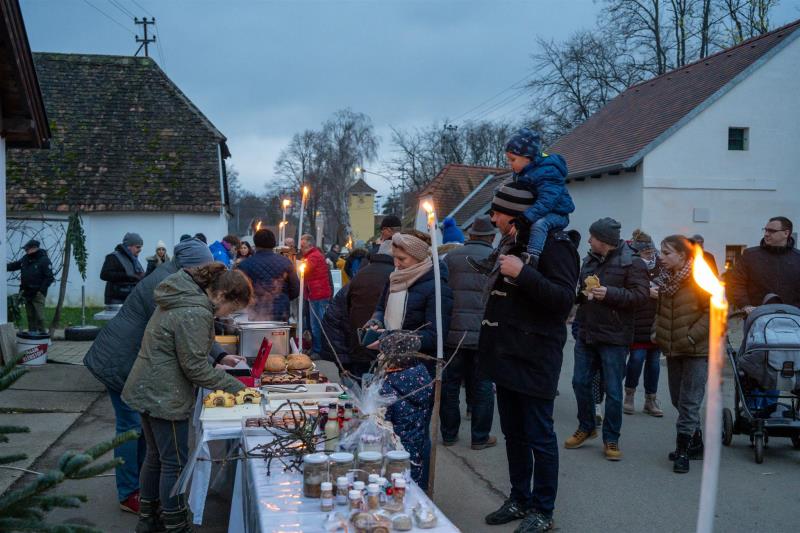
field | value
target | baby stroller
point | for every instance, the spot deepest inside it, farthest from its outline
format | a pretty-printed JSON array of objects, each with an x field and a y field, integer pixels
[{"x": 767, "y": 379}]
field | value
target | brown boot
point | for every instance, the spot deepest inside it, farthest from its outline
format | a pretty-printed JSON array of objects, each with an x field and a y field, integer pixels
[
  {"x": 579, "y": 438},
  {"x": 651, "y": 406},
  {"x": 627, "y": 406}
]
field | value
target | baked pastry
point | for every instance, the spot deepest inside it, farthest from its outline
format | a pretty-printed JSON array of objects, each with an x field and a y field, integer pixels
[
  {"x": 298, "y": 361},
  {"x": 591, "y": 282},
  {"x": 275, "y": 363},
  {"x": 248, "y": 395},
  {"x": 219, "y": 398}
]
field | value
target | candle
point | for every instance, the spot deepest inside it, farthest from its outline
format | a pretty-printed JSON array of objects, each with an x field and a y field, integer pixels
[
  {"x": 302, "y": 211},
  {"x": 716, "y": 349},
  {"x": 301, "y": 266},
  {"x": 285, "y": 204}
]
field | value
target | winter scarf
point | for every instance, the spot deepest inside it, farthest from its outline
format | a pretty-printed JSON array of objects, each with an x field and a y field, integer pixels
[
  {"x": 401, "y": 280},
  {"x": 669, "y": 282}
]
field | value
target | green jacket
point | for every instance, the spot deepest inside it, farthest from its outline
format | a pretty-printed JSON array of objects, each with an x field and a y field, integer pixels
[
  {"x": 174, "y": 354},
  {"x": 681, "y": 323}
]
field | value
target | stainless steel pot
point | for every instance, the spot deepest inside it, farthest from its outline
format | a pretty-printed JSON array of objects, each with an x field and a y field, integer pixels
[{"x": 251, "y": 334}]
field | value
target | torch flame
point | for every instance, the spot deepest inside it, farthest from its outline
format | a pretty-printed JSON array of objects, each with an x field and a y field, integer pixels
[
  {"x": 301, "y": 267},
  {"x": 258, "y": 226},
  {"x": 286, "y": 203},
  {"x": 305, "y": 191},
  {"x": 428, "y": 207},
  {"x": 349, "y": 244},
  {"x": 704, "y": 276},
  {"x": 282, "y": 223}
]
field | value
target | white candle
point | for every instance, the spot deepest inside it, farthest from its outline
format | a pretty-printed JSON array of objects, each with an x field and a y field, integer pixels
[
  {"x": 301, "y": 267},
  {"x": 437, "y": 283},
  {"x": 286, "y": 203},
  {"x": 302, "y": 212},
  {"x": 716, "y": 350}
]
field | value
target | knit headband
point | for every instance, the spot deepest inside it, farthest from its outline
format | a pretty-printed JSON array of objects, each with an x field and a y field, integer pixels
[
  {"x": 413, "y": 246},
  {"x": 511, "y": 200}
]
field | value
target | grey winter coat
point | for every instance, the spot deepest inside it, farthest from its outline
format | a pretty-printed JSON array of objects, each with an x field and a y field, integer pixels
[
  {"x": 174, "y": 355},
  {"x": 468, "y": 287}
]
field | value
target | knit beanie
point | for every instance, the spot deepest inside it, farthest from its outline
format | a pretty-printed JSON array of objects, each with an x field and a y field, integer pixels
[
  {"x": 451, "y": 232},
  {"x": 526, "y": 143},
  {"x": 512, "y": 199},
  {"x": 641, "y": 241},
  {"x": 606, "y": 230},
  {"x": 413, "y": 246},
  {"x": 132, "y": 239},
  {"x": 161, "y": 244},
  {"x": 264, "y": 239},
  {"x": 192, "y": 253}
]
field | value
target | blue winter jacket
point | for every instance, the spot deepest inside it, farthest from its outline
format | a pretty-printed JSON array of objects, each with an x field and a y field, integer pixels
[
  {"x": 220, "y": 253},
  {"x": 275, "y": 284},
  {"x": 545, "y": 177},
  {"x": 421, "y": 308}
]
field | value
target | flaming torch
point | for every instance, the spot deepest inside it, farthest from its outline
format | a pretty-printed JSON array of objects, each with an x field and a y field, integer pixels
[
  {"x": 718, "y": 325},
  {"x": 437, "y": 285},
  {"x": 258, "y": 225},
  {"x": 349, "y": 244},
  {"x": 301, "y": 268},
  {"x": 302, "y": 212},
  {"x": 285, "y": 205}
]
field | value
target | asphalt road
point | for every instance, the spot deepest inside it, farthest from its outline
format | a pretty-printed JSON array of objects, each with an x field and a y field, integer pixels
[{"x": 639, "y": 493}]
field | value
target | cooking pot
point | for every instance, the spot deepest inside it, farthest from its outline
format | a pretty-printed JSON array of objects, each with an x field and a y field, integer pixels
[{"x": 252, "y": 334}]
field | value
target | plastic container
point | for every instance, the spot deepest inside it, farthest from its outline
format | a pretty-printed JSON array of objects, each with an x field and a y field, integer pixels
[
  {"x": 397, "y": 462},
  {"x": 315, "y": 471},
  {"x": 369, "y": 463},
  {"x": 33, "y": 348}
]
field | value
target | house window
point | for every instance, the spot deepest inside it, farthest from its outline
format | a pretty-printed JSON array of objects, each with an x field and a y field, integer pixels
[
  {"x": 732, "y": 254},
  {"x": 738, "y": 138}
]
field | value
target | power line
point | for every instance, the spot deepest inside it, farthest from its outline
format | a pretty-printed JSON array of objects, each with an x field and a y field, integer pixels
[
  {"x": 513, "y": 86},
  {"x": 145, "y": 41},
  {"x": 140, "y": 6},
  {"x": 122, "y": 8},
  {"x": 503, "y": 103},
  {"x": 109, "y": 17},
  {"x": 161, "y": 54}
]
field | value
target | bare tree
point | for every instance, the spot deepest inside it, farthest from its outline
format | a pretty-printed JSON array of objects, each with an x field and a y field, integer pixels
[
  {"x": 640, "y": 25},
  {"x": 746, "y": 18}
]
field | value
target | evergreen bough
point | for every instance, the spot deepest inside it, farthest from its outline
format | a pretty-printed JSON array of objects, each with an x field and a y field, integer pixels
[{"x": 24, "y": 509}]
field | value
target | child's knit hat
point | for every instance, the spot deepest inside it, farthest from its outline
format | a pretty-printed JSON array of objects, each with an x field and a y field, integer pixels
[{"x": 525, "y": 143}]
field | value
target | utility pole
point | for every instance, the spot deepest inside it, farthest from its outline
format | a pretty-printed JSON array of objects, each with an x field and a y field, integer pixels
[
  {"x": 450, "y": 137},
  {"x": 145, "y": 42}
]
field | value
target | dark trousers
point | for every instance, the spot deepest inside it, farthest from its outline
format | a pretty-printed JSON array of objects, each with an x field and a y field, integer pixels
[
  {"x": 34, "y": 309},
  {"x": 480, "y": 398},
  {"x": 612, "y": 360},
  {"x": 531, "y": 447},
  {"x": 132, "y": 452},
  {"x": 167, "y": 448}
]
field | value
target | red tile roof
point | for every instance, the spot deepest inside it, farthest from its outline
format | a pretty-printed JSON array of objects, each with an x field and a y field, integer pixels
[
  {"x": 453, "y": 184},
  {"x": 617, "y": 136}
]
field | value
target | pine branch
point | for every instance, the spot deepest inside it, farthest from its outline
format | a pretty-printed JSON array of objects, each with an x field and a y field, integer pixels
[
  {"x": 14, "y": 524},
  {"x": 96, "y": 470},
  {"x": 7, "y": 459},
  {"x": 47, "y": 503},
  {"x": 6, "y": 430},
  {"x": 104, "y": 447},
  {"x": 10, "y": 500},
  {"x": 8, "y": 379}
]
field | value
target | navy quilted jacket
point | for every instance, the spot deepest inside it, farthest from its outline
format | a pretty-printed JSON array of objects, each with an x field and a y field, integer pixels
[
  {"x": 545, "y": 179},
  {"x": 421, "y": 308},
  {"x": 275, "y": 284}
]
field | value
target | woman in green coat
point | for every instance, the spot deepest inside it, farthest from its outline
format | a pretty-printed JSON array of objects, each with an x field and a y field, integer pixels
[
  {"x": 173, "y": 361},
  {"x": 681, "y": 329}
]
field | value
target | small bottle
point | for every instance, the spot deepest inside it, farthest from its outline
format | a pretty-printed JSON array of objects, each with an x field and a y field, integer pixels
[
  {"x": 399, "y": 491},
  {"x": 355, "y": 500},
  {"x": 373, "y": 478},
  {"x": 359, "y": 486},
  {"x": 326, "y": 495},
  {"x": 342, "y": 488},
  {"x": 373, "y": 497},
  {"x": 383, "y": 483},
  {"x": 348, "y": 415},
  {"x": 323, "y": 416},
  {"x": 340, "y": 415},
  {"x": 331, "y": 434}
]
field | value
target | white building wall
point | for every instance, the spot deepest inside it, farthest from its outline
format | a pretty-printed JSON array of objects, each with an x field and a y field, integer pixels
[
  {"x": 618, "y": 197},
  {"x": 105, "y": 230},
  {"x": 741, "y": 190}
]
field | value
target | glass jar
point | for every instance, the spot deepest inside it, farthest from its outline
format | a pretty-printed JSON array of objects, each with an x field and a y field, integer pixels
[
  {"x": 369, "y": 463},
  {"x": 341, "y": 465},
  {"x": 315, "y": 471},
  {"x": 370, "y": 443},
  {"x": 397, "y": 462}
]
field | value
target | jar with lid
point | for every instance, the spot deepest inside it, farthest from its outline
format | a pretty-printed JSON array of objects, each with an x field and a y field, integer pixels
[
  {"x": 369, "y": 463},
  {"x": 370, "y": 443},
  {"x": 355, "y": 498},
  {"x": 397, "y": 462},
  {"x": 326, "y": 496},
  {"x": 341, "y": 465},
  {"x": 315, "y": 471},
  {"x": 373, "y": 497},
  {"x": 342, "y": 489},
  {"x": 399, "y": 491}
]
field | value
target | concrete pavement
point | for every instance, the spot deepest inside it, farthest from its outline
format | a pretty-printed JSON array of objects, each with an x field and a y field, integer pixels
[{"x": 640, "y": 493}]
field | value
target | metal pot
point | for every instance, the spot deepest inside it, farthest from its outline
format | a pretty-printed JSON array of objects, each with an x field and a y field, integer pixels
[{"x": 251, "y": 335}]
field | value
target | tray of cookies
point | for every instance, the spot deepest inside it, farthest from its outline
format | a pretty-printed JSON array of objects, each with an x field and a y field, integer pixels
[{"x": 220, "y": 406}]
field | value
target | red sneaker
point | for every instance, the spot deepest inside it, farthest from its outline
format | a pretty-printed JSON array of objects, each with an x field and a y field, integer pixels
[{"x": 131, "y": 503}]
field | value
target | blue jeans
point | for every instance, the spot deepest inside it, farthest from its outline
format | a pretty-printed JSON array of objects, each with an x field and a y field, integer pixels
[
  {"x": 317, "y": 308},
  {"x": 612, "y": 360},
  {"x": 540, "y": 229},
  {"x": 531, "y": 448},
  {"x": 649, "y": 358},
  {"x": 481, "y": 396},
  {"x": 132, "y": 452}
]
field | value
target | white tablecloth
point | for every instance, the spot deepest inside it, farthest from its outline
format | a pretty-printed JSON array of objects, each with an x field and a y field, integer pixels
[{"x": 275, "y": 503}]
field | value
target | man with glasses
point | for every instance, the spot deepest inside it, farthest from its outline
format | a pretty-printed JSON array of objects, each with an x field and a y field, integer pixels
[{"x": 773, "y": 267}]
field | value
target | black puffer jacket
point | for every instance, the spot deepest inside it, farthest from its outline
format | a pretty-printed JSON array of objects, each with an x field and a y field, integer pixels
[
  {"x": 763, "y": 270},
  {"x": 336, "y": 325},
  {"x": 467, "y": 286},
  {"x": 645, "y": 315},
  {"x": 36, "y": 273},
  {"x": 610, "y": 321},
  {"x": 524, "y": 327},
  {"x": 365, "y": 291},
  {"x": 275, "y": 284},
  {"x": 119, "y": 273}
]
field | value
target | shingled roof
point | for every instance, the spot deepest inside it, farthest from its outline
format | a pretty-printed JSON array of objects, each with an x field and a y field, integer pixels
[
  {"x": 480, "y": 200},
  {"x": 361, "y": 187},
  {"x": 125, "y": 138},
  {"x": 454, "y": 183},
  {"x": 619, "y": 135}
]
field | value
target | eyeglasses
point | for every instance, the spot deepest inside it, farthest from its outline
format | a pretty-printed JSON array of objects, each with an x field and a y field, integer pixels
[{"x": 771, "y": 231}]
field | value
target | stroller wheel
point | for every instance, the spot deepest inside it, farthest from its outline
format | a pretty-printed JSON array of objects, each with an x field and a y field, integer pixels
[
  {"x": 759, "y": 448},
  {"x": 796, "y": 442},
  {"x": 727, "y": 427}
]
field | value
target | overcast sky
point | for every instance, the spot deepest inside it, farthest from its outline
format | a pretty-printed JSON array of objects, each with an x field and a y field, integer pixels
[{"x": 262, "y": 70}]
